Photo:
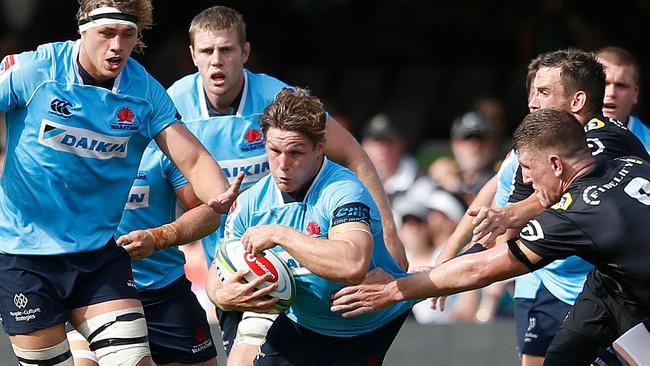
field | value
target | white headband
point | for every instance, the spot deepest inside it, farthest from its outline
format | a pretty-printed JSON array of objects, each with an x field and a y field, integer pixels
[{"x": 107, "y": 15}]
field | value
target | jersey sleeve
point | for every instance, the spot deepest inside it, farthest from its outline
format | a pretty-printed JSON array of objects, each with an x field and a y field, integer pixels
[
  {"x": 348, "y": 202},
  {"x": 553, "y": 236},
  {"x": 164, "y": 112},
  {"x": 506, "y": 179},
  {"x": 237, "y": 219},
  {"x": 610, "y": 140},
  {"x": 20, "y": 74},
  {"x": 174, "y": 177}
]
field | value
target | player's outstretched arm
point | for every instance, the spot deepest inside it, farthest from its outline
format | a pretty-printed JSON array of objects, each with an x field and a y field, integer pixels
[
  {"x": 460, "y": 274},
  {"x": 194, "y": 161},
  {"x": 491, "y": 222},
  {"x": 343, "y": 148}
]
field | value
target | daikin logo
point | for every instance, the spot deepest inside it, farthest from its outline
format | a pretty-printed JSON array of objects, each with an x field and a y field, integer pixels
[{"x": 82, "y": 142}]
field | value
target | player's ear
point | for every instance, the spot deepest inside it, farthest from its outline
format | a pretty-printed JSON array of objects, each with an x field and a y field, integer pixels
[
  {"x": 246, "y": 51},
  {"x": 192, "y": 54},
  {"x": 556, "y": 164},
  {"x": 579, "y": 101}
]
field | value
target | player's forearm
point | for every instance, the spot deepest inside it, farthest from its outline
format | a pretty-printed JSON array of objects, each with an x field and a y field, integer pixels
[
  {"x": 335, "y": 260},
  {"x": 523, "y": 211},
  {"x": 206, "y": 177},
  {"x": 191, "y": 226}
]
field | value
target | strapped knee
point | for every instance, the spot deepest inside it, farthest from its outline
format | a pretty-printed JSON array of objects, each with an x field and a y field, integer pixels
[
  {"x": 79, "y": 347},
  {"x": 57, "y": 355},
  {"x": 118, "y": 337},
  {"x": 253, "y": 327}
]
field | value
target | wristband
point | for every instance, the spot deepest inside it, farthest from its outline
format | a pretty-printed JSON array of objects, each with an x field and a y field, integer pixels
[{"x": 165, "y": 236}]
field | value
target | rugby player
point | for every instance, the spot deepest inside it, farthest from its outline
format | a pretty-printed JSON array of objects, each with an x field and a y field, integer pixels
[
  {"x": 580, "y": 194},
  {"x": 223, "y": 102},
  {"x": 321, "y": 218},
  {"x": 79, "y": 115}
]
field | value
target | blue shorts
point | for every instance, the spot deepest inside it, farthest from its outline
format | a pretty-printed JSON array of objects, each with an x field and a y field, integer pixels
[
  {"x": 537, "y": 321},
  {"x": 177, "y": 325},
  {"x": 39, "y": 291},
  {"x": 288, "y": 343}
]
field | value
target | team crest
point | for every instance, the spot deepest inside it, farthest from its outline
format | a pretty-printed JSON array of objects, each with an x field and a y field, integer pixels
[
  {"x": 125, "y": 118},
  {"x": 252, "y": 140},
  {"x": 564, "y": 202},
  {"x": 532, "y": 231},
  {"x": 8, "y": 64},
  {"x": 594, "y": 124},
  {"x": 313, "y": 229}
]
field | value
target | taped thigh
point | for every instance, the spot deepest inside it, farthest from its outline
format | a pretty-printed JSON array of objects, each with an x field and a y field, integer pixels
[
  {"x": 57, "y": 355},
  {"x": 253, "y": 327},
  {"x": 79, "y": 346},
  {"x": 118, "y": 337}
]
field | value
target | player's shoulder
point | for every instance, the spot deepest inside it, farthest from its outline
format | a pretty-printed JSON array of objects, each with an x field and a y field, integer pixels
[
  {"x": 599, "y": 123},
  {"x": 264, "y": 86},
  {"x": 184, "y": 85}
]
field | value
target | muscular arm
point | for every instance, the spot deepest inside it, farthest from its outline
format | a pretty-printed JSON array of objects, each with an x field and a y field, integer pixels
[
  {"x": 343, "y": 257},
  {"x": 343, "y": 148},
  {"x": 194, "y": 161}
]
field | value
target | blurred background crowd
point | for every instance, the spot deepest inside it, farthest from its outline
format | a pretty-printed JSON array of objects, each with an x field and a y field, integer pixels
[{"x": 432, "y": 90}]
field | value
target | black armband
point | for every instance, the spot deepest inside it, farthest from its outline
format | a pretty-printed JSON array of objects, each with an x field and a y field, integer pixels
[{"x": 519, "y": 254}]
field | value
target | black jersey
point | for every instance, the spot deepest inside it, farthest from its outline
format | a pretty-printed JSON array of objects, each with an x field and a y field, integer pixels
[
  {"x": 602, "y": 218},
  {"x": 607, "y": 139}
]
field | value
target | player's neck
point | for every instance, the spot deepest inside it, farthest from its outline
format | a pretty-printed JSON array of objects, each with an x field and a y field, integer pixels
[{"x": 223, "y": 103}]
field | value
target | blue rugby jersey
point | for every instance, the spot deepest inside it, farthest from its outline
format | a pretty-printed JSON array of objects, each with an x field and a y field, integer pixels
[
  {"x": 334, "y": 188},
  {"x": 152, "y": 203},
  {"x": 236, "y": 141},
  {"x": 72, "y": 149}
]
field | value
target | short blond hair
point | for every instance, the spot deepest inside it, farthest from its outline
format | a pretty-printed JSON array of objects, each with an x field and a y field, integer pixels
[
  {"x": 294, "y": 109},
  {"x": 139, "y": 8},
  {"x": 218, "y": 18}
]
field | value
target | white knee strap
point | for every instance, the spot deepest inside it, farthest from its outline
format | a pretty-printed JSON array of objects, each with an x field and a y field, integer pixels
[
  {"x": 253, "y": 327},
  {"x": 57, "y": 355},
  {"x": 118, "y": 338},
  {"x": 74, "y": 338}
]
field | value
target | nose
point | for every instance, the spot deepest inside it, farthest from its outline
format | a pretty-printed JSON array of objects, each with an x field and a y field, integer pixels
[
  {"x": 609, "y": 90},
  {"x": 525, "y": 174},
  {"x": 533, "y": 103},
  {"x": 217, "y": 58},
  {"x": 117, "y": 44}
]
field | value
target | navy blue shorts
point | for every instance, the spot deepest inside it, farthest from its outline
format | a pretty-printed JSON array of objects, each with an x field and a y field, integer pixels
[
  {"x": 287, "y": 343},
  {"x": 537, "y": 321},
  {"x": 228, "y": 322},
  {"x": 39, "y": 291},
  {"x": 177, "y": 325}
]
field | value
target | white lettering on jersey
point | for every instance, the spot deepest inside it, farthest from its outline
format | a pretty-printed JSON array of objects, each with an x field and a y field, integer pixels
[
  {"x": 254, "y": 168},
  {"x": 7, "y": 66},
  {"x": 82, "y": 142},
  {"x": 296, "y": 268},
  {"x": 639, "y": 188},
  {"x": 532, "y": 231},
  {"x": 138, "y": 198}
]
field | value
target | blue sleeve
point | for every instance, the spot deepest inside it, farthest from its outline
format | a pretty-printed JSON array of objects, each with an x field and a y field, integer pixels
[
  {"x": 237, "y": 220},
  {"x": 175, "y": 178},
  {"x": 164, "y": 111},
  {"x": 506, "y": 179},
  {"x": 348, "y": 202},
  {"x": 19, "y": 76}
]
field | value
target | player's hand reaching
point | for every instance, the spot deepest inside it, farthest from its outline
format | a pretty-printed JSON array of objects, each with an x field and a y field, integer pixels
[
  {"x": 222, "y": 203},
  {"x": 138, "y": 244},
  {"x": 489, "y": 223},
  {"x": 370, "y": 295},
  {"x": 259, "y": 238},
  {"x": 238, "y": 295}
]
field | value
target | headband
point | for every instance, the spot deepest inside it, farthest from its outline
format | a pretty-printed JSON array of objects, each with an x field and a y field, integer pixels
[{"x": 107, "y": 15}]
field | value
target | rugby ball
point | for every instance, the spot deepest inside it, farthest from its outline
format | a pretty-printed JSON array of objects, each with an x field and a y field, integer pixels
[{"x": 231, "y": 257}]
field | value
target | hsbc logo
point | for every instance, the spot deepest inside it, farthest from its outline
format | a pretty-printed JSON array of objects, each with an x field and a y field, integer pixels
[
  {"x": 82, "y": 142},
  {"x": 60, "y": 108},
  {"x": 532, "y": 231},
  {"x": 20, "y": 300}
]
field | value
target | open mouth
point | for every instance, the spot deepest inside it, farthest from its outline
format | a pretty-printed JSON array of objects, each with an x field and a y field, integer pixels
[
  {"x": 609, "y": 106},
  {"x": 114, "y": 62},
  {"x": 218, "y": 77}
]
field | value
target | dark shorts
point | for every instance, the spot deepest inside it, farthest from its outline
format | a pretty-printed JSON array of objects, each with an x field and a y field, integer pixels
[
  {"x": 39, "y": 291},
  {"x": 287, "y": 343},
  {"x": 600, "y": 315},
  {"x": 228, "y": 323},
  {"x": 177, "y": 324},
  {"x": 537, "y": 321}
]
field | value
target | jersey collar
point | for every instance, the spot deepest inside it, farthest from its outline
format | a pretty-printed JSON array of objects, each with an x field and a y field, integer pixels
[
  {"x": 77, "y": 73},
  {"x": 281, "y": 197},
  {"x": 203, "y": 102}
]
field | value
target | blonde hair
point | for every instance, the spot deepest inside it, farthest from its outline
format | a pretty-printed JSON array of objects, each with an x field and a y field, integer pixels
[
  {"x": 295, "y": 110},
  {"x": 218, "y": 18},
  {"x": 142, "y": 9}
]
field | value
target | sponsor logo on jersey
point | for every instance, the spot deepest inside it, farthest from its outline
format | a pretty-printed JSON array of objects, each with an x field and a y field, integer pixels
[
  {"x": 253, "y": 140},
  {"x": 141, "y": 176},
  {"x": 296, "y": 268},
  {"x": 313, "y": 228},
  {"x": 254, "y": 168},
  {"x": 591, "y": 195},
  {"x": 138, "y": 198},
  {"x": 594, "y": 124},
  {"x": 639, "y": 188},
  {"x": 125, "y": 117},
  {"x": 7, "y": 65},
  {"x": 564, "y": 202},
  {"x": 532, "y": 231},
  {"x": 595, "y": 146},
  {"x": 60, "y": 108},
  {"x": 351, "y": 212},
  {"x": 82, "y": 142}
]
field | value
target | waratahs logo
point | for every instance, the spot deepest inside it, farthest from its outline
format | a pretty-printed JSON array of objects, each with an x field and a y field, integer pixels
[
  {"x": 82, "y": 142},
  {"x": 313, "y": 229},
  {"x": 125, "y": 117},
  {"x": 253, "y": 140}
]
